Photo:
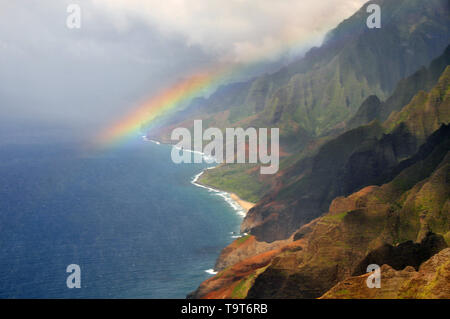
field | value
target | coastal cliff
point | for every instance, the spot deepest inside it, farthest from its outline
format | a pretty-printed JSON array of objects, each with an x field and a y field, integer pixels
[
  {"x": 333, "y": 247},
  {"x": 413, "y": 206},
  {"x": 364, "y": 125}
]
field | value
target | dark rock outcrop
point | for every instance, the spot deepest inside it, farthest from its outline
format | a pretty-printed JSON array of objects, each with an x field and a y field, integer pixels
[
  {"x": 403, "y": 255},
  {"x": 431, "y": 281}
]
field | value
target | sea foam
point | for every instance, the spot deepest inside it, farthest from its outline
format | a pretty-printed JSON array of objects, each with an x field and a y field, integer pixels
[
  {"x": 226, "y": 196},
  {"x": 211, "y": 271}
]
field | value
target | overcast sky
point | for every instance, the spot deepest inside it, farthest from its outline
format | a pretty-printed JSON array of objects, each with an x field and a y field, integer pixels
[{"x": 130, "y": 49}]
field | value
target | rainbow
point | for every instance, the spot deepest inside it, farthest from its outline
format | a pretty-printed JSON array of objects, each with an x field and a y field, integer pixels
[
  {"x": 164, "y": 102},
  {"x": 173, "y": 97}
]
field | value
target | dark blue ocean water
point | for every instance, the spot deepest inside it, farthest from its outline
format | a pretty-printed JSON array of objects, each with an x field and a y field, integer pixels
[{"x": 129, "y": 217}]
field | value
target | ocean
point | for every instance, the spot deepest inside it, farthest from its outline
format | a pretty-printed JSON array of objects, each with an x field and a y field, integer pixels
[{"x": 129, "y": 217}]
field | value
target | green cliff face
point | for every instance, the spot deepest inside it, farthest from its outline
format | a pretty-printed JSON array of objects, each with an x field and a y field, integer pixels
[
  {"x": 424, "y": 79},
  {"x": 375, "y": 222},
  {"x": 365, "y": 134},
  {"x": 401, "y": 224},
  {"x": 431, "y": 281},
  {"x": 332, "y": 88},
  {"x": 328, "y": 85},
  {"x": 325, "y": 88},
  {"x": 367, "y": 155},
  {"x": 413, "y": 204}
]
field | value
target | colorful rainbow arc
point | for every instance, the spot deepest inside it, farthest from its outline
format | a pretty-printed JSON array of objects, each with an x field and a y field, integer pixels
[
  {"x": 174, "y": 96},
  {"x": 167, "y": 100}
]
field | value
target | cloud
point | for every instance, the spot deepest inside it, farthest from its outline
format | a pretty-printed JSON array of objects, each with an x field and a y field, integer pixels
[
  {"x": 237, "y": 30},
  {"x": 129, "y": 50},
  {"x": 49, "y": 72}
]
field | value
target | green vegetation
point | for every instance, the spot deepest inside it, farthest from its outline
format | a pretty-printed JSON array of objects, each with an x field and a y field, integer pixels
[
  {"x": 241, "y": 289},
  {"x": 341, "y": 137},
  {"x": 335, "y": 217},
  {"x": 447, "y": 238},
  {"x": 242, "y": 240},
  {"x": 242, "y": 179},
  {"x": 315, "y": 94}
]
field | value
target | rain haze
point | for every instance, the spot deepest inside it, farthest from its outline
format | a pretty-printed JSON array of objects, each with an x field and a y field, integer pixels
[{"x": 58, "y": 82}]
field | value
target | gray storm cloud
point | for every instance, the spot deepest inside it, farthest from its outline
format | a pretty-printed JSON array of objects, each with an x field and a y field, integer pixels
[
  {"x": 241, "y": 30},
  {"x": 127, "y": 50}
]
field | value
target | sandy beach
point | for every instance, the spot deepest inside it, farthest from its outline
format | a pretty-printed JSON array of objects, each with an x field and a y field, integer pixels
[{"x": 244, "y": 204}]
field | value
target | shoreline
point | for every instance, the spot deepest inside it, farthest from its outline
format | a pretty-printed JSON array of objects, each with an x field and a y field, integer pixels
[
  {"x": 238, "y": 204},
  {"x": 243, "y": 203}
]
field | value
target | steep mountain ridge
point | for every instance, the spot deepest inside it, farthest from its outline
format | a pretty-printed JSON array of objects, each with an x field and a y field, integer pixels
[
  {"x": 363, "y": 156},
  {"x": 431, "y": 281},
  {"x": 324, "y": 88},
  {"x": 359, "y": 171},
  {"x": 332, "y": 248},
  {"x": 423, "y": 79},
  {"x": 305, "y": 97}
]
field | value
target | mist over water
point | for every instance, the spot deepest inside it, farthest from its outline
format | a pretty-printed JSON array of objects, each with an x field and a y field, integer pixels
[{"x": 129, "y": 217}]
